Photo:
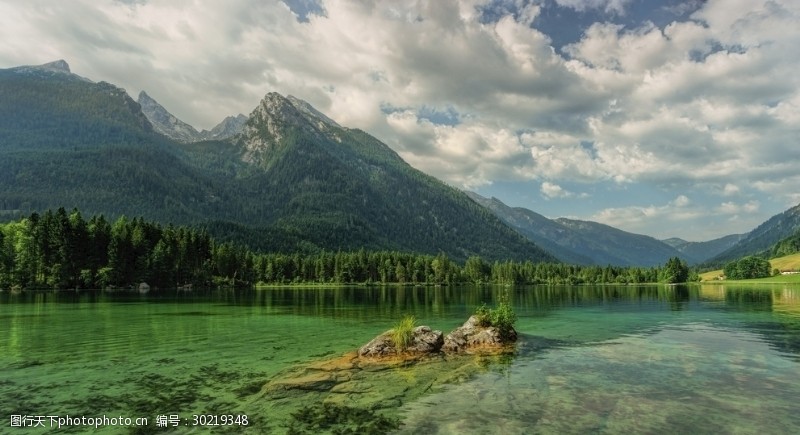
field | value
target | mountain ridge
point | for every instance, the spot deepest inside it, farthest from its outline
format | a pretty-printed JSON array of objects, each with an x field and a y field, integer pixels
[
  {"x": 582, "y": 242},
  {"x": 165, "y": 122},
  {"x": 171, "y": 126},
  {"x": 762, "y": 238},
  {"x": 705, "y": 250},
  {"x": 293, "y": 180}
]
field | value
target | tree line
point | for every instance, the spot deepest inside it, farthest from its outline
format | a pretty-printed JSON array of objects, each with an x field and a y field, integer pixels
[
  {"x": 63, "y": 250},
  {"x": 747, "y": 268}
]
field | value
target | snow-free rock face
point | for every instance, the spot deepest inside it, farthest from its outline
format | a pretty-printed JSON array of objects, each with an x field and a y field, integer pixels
[
  {"x": 275, "y": 119},
  {"x": 169, "y": 125},
  {"x": 229, "y": 127},
  {"x": 165, "y": 122},
  {"x": 59, "y": 65},
  {"x": 312, "y": 114},
  {"x": 59, "y": 68}
]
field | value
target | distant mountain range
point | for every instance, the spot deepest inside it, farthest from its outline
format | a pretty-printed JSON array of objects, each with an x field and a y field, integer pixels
[
  {"x": 582, "y": 242},
  {"x": 585, "y": 242},
  {"x": 291, "y": 180},
  {"x": 703, "y": 251},
  {"x": 285, "y": 178},
  {"x": 763, "y": 238}
]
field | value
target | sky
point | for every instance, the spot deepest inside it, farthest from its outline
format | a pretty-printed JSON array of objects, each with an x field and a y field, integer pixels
[{"x": 667, "y": 118}]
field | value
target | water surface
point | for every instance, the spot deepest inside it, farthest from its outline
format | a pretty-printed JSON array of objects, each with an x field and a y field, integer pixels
[{"x": 652, "y": 359}]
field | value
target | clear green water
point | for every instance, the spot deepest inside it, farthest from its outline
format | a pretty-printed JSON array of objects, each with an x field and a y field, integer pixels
[{"x": 708, "y": 359}]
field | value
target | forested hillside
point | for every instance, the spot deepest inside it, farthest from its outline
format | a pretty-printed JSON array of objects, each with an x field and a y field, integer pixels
[
  {"x": 49, "y": 108},
  {"x": 293, "y": 181},
  {"x": 64, "y": 250},
  {"x": 762, "y": 240}
]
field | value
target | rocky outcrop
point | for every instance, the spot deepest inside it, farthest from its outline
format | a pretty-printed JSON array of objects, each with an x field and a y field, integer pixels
[
  {"x": 424, "y": 341},
  {"x": 229, "y": 127},
  {"x": 165, "y": 122},
  {"x": 381, "y": 377},
  {"x": 472, "y": 336}
]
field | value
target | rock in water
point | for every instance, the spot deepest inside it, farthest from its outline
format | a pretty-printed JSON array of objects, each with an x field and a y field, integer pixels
[
  {"x": 471, "y": 335},
  {"x": 424, "y": 341},
  {"x": 381, "y": 345}
]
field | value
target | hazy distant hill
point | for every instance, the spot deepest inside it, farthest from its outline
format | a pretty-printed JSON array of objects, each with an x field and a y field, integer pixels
[
  {"x": 702, "y": 251},
  {"x": 764, "y": 237},
  {"x": 292, "y": 180},
  {"x": 583, "y": 242},
  {"x": 541, "y": 230}
]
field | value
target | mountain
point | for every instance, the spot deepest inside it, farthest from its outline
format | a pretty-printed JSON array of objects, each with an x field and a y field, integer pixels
[
  {"x": 539, "y": 229},
  {"x": 59, "y": 67},
  {"x": 345, "y": 189},
  {"x": 293, "y": 180},
  {"x": 622, "y": 247},
  {"x": 763, "y": 238},
  {"x": 165, "y": 122},
  {"x": 582, "y": 242},
  {"x": 229, "y": 127},
  {"x": 169, "y": 125},
  {"x": 68, "y": 141},
  {"x": 702, "y": 251},
  {"x": 48, "y": 107}
]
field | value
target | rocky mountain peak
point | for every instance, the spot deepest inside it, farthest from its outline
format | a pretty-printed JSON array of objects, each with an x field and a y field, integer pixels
[
  {"x": 165, "y": 122},
  {"x": 291, "y": 110},
  {"x": 58, "y": 68},
  {"x": 59, "y": 65},
  {"x": 229, "y": 127},
  {"x": 276, "y": 106},
  {"x": 311, "y": 113},
  {"x": 143, "y": 97},
  {"x": 273, "y": 115}
]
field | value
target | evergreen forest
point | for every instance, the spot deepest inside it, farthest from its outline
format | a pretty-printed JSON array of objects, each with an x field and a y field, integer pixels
[{"x": 64, "y": 250}]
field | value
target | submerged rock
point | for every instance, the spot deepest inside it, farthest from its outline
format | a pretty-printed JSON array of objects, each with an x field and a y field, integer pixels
[
  {"x": 424, "y": 341},
  {"x": 380, "y": 378}
]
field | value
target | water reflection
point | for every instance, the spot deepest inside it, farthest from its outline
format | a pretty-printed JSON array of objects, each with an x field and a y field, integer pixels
[
  {"x": 340, "y": 300},
  {"x": 630, "y": 305}
]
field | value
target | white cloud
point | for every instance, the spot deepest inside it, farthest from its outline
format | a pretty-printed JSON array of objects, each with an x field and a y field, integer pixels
[
  {"x": 730, "y": 190},
  {"x": 713, "y": 101},
  {"x": 732, "y": 208},
  {"x": 681, "y": 201},
  {"x": 615, "y": 6},
  {"x": 659, "y": 220},
  {"x": 553, "y": 191}
]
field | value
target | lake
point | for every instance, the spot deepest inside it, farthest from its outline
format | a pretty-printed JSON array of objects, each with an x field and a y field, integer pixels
[{"x": 607, "y": 359}]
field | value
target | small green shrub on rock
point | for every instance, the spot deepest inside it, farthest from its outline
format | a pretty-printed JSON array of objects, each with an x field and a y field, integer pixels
[
  {"x": 503, "y": 317},
  {"x": 484, "y": 315},
  {"x": 403, "y": 332}
]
